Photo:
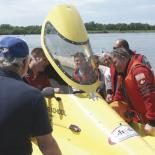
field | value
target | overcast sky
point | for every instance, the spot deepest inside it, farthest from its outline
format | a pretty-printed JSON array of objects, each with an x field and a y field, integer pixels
[{"x": 33, "y": 12}]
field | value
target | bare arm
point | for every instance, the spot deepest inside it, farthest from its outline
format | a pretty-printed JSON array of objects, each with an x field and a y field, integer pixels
[{"x": 48, "y": 145}]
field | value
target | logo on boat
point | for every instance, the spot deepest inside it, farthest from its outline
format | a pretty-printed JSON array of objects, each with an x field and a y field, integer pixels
[
  {"x": 57, "y": 111},
  {"x": 121, "y": 133}
]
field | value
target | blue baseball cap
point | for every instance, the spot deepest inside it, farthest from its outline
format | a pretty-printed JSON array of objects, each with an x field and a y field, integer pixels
[{"x": 12, "y": 47}]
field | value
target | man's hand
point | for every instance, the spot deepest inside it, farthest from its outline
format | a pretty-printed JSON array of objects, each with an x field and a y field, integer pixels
[
  {"x": 150, "y": 130},
  {"x": 57, "y": 90},
  {"x": 109, "y": 98}
]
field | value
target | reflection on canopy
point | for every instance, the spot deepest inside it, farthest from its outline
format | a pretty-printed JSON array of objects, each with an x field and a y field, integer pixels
[{"x": 64, "y": 53}]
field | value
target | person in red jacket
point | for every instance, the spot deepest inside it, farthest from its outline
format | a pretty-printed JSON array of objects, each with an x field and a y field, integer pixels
[
  {"x": 115, "y": 77},
  {"x": 36, "y": 75},
  {"x": 138, "y": 87},
  {"x": 84, "y": 72}
]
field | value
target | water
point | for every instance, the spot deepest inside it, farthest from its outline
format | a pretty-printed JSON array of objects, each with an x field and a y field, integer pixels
[{"x": 141, "y": 42}]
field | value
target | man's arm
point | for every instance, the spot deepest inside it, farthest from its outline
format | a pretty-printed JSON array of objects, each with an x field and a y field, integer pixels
[
  {"x": 145, "y": 83},
  {"x": 48, "y": 145},
  {"x": 42, "y": 129}
]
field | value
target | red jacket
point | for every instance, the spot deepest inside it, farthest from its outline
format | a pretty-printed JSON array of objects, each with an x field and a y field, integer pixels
[
  {"x": 80, "y": 78},
  {"x": 139, "y": 90},
  {"x": 88, "y": 77},
  {"x": 40, "y": 82},
  {"x": 116, "y": 81}
]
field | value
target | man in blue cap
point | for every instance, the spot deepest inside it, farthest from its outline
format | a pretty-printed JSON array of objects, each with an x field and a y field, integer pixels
[{"x": 23, "y": 112}]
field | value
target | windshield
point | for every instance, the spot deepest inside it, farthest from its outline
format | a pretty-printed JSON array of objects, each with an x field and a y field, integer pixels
[{"x": 72, "y": 57}]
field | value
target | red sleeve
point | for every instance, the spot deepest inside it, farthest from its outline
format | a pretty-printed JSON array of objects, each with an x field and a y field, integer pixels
[
  {"x": 118, "y": 93},
  {"x": 144, "y": 79}
]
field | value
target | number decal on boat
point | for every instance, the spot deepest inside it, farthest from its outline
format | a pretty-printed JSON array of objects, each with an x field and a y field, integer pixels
[{"x": 121, "y": 133}]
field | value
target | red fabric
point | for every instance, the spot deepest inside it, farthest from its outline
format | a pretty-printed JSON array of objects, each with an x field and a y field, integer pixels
[
  {"x": 117, "y": 93},
  {"x": 40, "y": 82},
  {"x": 112, "y": 72},
  {"x": 89, "y": 76},
  {"x": 79, "y": 78},
  {"x": 141, "y": 96},
  {"x": 140, "y": 88}
]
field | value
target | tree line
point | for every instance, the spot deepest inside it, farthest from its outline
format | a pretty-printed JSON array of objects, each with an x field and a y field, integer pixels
[
  {"x": 9, "y": 29},
  {"x": 91, "y": 27},
  {"x": 120, "y": 27}
]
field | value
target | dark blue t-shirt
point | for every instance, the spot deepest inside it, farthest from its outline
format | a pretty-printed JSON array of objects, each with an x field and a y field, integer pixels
[{"x": 23, "y": 114}]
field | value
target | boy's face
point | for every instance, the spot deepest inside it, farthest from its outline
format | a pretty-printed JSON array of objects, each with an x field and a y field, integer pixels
[
  {"x": 40, "y": 61},
  {"x": 79, "y": 61}
]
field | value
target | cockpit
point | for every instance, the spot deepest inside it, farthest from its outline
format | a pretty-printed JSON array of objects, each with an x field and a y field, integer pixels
[{"x": 68, "y": 49}]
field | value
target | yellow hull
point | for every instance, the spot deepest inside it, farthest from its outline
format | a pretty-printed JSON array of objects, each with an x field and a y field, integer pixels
[
  {"x": 84, "y": 125},
  {"x": 102, "y": 130}
]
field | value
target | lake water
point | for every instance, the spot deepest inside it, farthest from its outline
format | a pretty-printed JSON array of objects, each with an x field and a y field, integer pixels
[{"x": 141, "y": 42}]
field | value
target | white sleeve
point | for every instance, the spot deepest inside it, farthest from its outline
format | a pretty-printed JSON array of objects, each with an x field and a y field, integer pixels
[{"x": 107, "y": 76}]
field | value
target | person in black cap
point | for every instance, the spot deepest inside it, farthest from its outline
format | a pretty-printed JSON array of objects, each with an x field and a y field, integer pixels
[
  {"x": 137, "y": 87},
  {"x": 23, "y": 112}
]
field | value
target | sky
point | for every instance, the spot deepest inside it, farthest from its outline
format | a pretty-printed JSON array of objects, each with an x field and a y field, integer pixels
[{"x": 33, "y": 12}]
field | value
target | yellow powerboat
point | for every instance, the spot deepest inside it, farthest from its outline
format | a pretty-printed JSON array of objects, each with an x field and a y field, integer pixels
[{"x": 83, "y": 123}]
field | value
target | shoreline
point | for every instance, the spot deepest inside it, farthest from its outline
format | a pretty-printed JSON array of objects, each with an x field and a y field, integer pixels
[
  {"x": 132, "y": 31},
  {"x": 89, "y": 32}
]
